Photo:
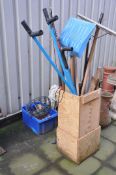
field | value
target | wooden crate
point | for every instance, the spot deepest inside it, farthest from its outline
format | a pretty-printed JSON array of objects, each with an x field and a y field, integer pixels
[
  {"x": 79, "y": 115},
  {"x": 78, "y": 149}
]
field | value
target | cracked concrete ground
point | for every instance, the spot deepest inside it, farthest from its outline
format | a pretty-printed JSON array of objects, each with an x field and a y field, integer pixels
[{"x": 28, "y": 154}]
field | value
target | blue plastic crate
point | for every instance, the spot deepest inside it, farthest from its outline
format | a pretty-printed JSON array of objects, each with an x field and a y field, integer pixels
[{"x": 40, "y": 126}]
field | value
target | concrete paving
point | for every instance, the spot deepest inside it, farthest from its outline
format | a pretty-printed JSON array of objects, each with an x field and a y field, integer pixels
[{"x": 28, "y": 154}]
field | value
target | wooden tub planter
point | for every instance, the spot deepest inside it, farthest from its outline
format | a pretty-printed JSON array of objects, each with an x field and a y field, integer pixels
[{"x": 78, "y": 132}]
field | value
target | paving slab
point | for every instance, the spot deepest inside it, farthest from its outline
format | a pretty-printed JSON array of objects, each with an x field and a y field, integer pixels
[
  {"x": 50, "y": 151},
  {"x": 106, "y": 171},
  {"x": 110, "y": 133},
  {"x": 114, "y": 123},
  {"x": 27, "y": 164},
  {"x": 51, "y": 171},
  {"x": 112, "y": 161},
  {"x": 87, "y": 167},
  {"x": 107, "y": 148}
]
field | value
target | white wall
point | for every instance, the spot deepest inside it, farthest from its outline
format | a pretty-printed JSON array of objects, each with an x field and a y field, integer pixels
[{"x": 24, "y": 72}]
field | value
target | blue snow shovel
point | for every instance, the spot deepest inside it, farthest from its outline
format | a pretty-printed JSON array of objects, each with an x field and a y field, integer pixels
[{"x": 77, "y": 34}]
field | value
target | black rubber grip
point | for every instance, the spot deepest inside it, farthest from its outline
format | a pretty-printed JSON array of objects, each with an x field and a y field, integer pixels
[
  {"x": 38, "y": 33},
  {"x": 64, "y": 60},
  {"x": 67, "y": 49},
  {"x": 26, "y": 27},
  {"x": 50, "y": 13},
  {"x": 29, "y": 31},
  {"x": 53, "y": 19},
  {"x": 64, "y": 57},
  {"x": 46, "y": 14},
  {"x": 48, "y": 19},
  {"x": 101, "y": 18}
]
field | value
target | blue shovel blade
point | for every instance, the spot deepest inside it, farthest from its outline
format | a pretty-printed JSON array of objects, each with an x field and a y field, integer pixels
[{"x": 76, "y": 34}]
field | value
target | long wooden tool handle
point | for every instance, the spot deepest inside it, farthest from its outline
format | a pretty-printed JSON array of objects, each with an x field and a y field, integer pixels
[
  {"x": 72, "y": 68},
  {"x": 91, "y": 55},
  {"x": 86, "y": 60},
  {"x": 90, "y": 60},
  {"x": 85, "y": 65}
]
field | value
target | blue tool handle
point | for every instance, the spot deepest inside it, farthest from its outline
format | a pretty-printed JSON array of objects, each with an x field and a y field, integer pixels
[
  {"x": 65, "y": 70},
  {"x": 67, "y": 81},
  {"x": 73, "y": 91}
]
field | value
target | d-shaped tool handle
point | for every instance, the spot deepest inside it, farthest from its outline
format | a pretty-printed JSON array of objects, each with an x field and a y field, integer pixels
[
  {"x": 48, "y": 19},
  {"x": 63, "y": 55},
  {"x": 29, "y": 31},
  {"x": 67, "y": 49}
]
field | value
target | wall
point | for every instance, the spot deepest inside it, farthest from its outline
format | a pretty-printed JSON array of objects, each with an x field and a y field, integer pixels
[{"x": 24, "y": 72}]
